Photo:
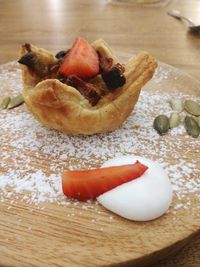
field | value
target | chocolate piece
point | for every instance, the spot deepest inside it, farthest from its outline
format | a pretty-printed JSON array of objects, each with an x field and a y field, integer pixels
[
  {"x": 62, "y": 54},
  {"x": 114, "y": 78},
  {"x": 112, "y": 75},
  {"x": 88, "y": 90},
  {"x": 32, "y": 61},
  {"x": 28, "y": 59}
]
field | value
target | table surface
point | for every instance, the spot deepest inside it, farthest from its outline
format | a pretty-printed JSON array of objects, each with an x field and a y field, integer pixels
[{"x": 53, "y": 24}]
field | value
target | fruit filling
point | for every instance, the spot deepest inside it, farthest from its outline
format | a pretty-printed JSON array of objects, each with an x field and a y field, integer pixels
[{"x": 79, "y": 67}]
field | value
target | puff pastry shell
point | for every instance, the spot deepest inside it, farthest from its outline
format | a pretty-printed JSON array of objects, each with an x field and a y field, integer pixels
[{"x": 62, "y": 107}]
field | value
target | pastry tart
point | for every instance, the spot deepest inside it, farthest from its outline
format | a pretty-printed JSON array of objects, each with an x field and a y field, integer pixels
[{"x": 61, "y": 106}]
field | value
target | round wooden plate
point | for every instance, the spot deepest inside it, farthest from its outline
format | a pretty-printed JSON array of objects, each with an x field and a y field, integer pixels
[{"x": 39, "y": 231}]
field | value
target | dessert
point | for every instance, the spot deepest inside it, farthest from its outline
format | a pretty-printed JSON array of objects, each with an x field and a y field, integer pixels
[
  {"x": 140, "y": 191},
  {"x": 82, "y": 102},
  {"x": 142, "y": 199}
]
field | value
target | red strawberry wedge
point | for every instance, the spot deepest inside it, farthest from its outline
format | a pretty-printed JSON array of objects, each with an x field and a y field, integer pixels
[
  {"x": 82, "y": 60},
  {"x": 89, "y": 184}
]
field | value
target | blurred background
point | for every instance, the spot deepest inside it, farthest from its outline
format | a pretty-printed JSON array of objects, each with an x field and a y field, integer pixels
[{"x": 54, "y": 24}]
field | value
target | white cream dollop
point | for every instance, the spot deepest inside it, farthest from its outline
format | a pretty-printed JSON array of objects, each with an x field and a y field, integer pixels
[{"x": 143, "y": 199}]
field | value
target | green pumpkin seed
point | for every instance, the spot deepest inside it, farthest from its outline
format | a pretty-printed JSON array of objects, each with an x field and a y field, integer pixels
[
  {"x": 177, "y": 105},
  {"x": 174, "y": 120},
  {"x": 197, "y": 119},
  {"x": 5, "y": 102},
  {"x": 16, "y": 101},
  {"x": 161, "y": 124},
  {"x": 192, "y": 127},
  {"x": 192, "y": 107}
]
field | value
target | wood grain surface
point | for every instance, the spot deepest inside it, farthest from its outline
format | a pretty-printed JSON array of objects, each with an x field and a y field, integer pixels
[
  {"x": 79, "y": 234},
  {"x": 54, "y": 25}
]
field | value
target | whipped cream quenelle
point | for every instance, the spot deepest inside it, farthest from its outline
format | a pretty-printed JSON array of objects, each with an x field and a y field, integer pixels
[{"x": 143, "y": 199}]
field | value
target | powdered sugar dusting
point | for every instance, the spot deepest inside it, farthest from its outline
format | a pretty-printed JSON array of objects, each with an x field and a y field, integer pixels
[{"x": 33, "y": 157}]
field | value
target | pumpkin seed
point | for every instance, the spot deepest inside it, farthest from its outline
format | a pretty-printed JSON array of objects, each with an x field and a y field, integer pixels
[
  {"x": 5, "y": 102},
  {"x": 16, "y": 101},
  {"x": 197, "y": 119},
  {"x": 161, "y": 124},
  {"x": 192, "y": 107},
  {"x": 177, "y": 105},
  {"x": 192, "y": 127},
  {"x": 174, "y": 120}
]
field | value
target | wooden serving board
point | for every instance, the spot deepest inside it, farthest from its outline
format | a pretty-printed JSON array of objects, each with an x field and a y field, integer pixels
[{"x": 37, "y": 231}]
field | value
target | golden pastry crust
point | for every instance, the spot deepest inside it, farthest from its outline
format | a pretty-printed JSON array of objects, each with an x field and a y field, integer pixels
[{"x": 62, "y": 107}]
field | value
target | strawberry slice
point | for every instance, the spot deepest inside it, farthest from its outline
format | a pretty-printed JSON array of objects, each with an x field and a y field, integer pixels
[
  {"x": 89, "y": 184},
  {"x": 82, "y": 60}
]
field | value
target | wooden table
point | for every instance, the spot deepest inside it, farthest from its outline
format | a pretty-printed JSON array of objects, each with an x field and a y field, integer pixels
[{"x": 54, "y": 24}]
